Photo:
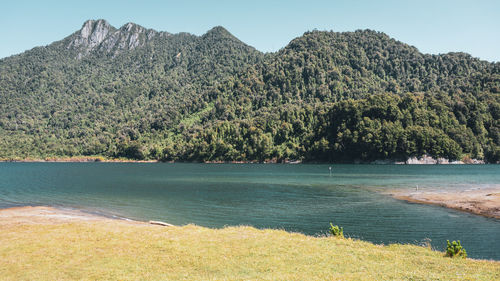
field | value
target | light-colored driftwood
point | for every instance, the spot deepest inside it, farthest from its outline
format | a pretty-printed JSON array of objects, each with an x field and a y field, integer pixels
[{"x": 160, "y": 223}]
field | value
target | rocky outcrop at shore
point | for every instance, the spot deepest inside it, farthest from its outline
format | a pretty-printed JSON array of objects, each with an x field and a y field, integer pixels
[{"x": 428, "y": 160}]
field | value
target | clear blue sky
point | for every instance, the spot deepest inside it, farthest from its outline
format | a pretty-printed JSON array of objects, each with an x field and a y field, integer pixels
[{"x": 431, "y": 26}]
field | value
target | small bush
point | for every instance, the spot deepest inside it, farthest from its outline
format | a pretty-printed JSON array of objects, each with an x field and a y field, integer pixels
[
  {"x": 455, "y": 249},
  {"x": 99, "y": 159},
  {"x": 336, "y": 231}
]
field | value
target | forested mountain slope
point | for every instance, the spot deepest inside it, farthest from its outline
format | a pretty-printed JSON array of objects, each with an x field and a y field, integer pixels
[{"x": 137, "y": 93}]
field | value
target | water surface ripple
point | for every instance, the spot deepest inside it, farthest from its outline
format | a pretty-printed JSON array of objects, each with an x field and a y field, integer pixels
[{"x": 303, "y": 198}]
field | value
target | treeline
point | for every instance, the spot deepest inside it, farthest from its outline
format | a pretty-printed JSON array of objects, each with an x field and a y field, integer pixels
[
  {"x": 385, "y": 126},
  {"x": 327, "y": 96}
]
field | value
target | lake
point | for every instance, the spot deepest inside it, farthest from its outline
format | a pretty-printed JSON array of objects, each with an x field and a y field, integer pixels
[{"x": 301, "y": 198}]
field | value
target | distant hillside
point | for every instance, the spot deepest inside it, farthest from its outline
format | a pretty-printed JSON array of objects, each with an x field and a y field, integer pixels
[{"x": 142, "y": 94}]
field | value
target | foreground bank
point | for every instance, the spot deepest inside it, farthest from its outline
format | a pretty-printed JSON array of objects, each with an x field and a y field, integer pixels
[{"x": 49, "y": 244}]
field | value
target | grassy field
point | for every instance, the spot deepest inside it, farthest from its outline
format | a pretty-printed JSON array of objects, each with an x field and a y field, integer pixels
[{"x": 122, "y": 251}]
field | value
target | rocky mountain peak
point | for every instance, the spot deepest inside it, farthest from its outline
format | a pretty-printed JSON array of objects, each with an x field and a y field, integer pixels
[
  {"x": 99, "y": 35},
  {"x": 94, "y": 25},
  {"x": 92, "y": 34},
  {"x": 131, "y": 26}
]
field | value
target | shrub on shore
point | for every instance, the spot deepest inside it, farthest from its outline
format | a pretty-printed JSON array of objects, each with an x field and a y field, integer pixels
[
  {"x": 455, "y": 249},
  {"x": 336, "y": 231}
]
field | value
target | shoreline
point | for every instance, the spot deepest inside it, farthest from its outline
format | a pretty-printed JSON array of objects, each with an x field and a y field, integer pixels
[
  {"x": 422, "y": 160},
  {"x": 484, "y": 202},
  {"x": 54, "y": 215},
  {"x": 354, "y": 162},
  {"x": 43, "y": 243},
  {"x": 77, "y": 160}
]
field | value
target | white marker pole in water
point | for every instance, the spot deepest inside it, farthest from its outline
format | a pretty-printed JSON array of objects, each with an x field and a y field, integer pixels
[{"x": 330, "y": 169}]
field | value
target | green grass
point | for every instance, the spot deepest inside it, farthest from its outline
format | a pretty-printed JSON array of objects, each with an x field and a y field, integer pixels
[{"x": 121, "y": 251}]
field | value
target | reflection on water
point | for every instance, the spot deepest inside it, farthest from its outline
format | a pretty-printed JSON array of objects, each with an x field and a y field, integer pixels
[{"x": 302, "y": 198}]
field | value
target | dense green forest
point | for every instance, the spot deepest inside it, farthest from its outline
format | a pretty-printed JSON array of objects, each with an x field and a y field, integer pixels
[{"x": 137, "y": 93}]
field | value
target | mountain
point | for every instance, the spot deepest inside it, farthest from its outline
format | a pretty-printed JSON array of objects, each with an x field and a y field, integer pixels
[
  {"x": 100, "y": 36},
  {"x": 138, "y": 93}
]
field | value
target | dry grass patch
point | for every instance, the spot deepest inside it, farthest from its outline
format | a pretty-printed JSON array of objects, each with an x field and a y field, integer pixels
[{"x": 104, "y": 250}]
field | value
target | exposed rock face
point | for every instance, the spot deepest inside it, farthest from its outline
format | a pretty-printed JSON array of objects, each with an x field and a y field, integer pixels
[
  {"x": 426, "y": 159},
  {"x": 99, "y": 35},
  {"x": 92, "y": 34},
  {"x": 423, "y": 160}
]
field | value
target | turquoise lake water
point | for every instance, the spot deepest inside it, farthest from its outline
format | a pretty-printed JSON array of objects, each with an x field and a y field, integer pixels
[{"x": 302, "y": 198}]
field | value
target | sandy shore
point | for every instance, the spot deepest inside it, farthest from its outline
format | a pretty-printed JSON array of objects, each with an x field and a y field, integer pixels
[
  {"x": 49, "y": 215},
  {"x": 484, "y": 201}
]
